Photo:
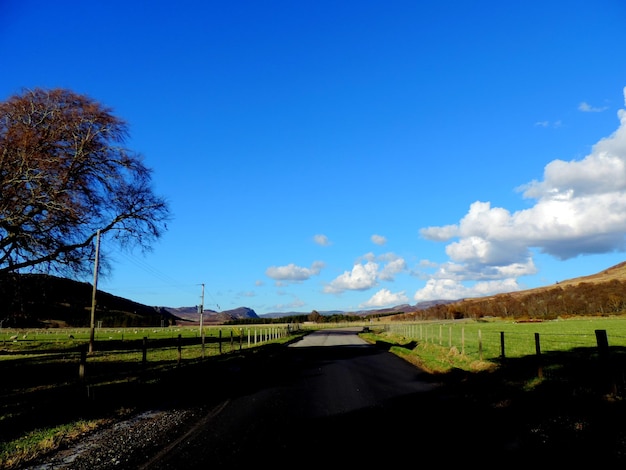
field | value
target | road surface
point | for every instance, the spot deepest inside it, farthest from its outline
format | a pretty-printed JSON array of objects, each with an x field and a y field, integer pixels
[{"x": 336, "y": 400}]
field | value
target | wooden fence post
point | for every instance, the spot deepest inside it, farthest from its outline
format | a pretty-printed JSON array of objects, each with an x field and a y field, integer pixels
[
  {"x": 144, "y": 351},
  {"x": 180, "y": 348},
  {"x": 502, "y": 355},
  {"x": 202, "y": 340},
  {"x": 603, "y": 351},
  {"x": 463, "y": 340},
  {"x": 220, "y": 341},
  {"x": 538, "y": 353},
  {"x": 603, "y": 343},
  {"x": 82, "y": 364},
  {"x": 480, "y": 345}
]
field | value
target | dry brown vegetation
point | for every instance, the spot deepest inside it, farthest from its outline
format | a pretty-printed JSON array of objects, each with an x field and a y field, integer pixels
[{"x": 603, "y": 293}]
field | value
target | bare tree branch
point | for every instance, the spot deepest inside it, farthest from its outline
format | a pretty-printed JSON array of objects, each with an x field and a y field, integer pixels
[{"x": 64, "y": 174}]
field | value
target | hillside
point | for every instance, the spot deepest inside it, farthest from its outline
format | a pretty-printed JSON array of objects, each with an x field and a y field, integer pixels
[
  {"x": 39, "y": 300},
  {"x": 603, "y": 293},
  {"x": 614, "y": 273}
]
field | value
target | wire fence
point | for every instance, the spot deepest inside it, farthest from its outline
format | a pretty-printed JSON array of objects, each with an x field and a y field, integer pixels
[
  {"x": 497, "y": 340},
  {"x": 60, "y": 356}
]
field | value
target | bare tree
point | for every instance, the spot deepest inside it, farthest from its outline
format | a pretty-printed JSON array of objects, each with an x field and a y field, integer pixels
[{"x": 64, "y": 175}]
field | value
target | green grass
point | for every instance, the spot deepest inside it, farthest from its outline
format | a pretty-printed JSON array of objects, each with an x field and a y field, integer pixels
[
  {"x": 18, "y": 451},
  {"x": 481, "y": 340}
]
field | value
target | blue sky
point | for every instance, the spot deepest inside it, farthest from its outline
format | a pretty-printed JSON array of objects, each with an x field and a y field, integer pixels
[{"x": 350, "y": 154}]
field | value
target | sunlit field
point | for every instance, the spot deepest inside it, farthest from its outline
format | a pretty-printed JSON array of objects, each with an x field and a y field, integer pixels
[
  {"x": 129, "y": 344},
  {"x": 483, "y": 339}
]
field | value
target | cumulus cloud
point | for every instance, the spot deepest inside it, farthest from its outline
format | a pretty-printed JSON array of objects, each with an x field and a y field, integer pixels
[
  {"x": 579, "y": 208},
  {"x": 385, "y": 298},
  {"x": 379, "y": 239},
  {"x": 366, "y": 273},
  {"x": 293, "y": 273},
  {"x": 450, "y": 289},
  {"x": 321, "y": 240},
  {"x": 362, "y": 277},
  {"x": 390, "y": 269}
]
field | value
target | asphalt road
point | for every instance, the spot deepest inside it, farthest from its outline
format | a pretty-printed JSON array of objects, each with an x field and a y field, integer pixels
[{"x": 333, "y": 400}]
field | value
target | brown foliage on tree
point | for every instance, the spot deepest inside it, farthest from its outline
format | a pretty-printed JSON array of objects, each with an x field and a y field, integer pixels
[{"x": 64, "y": 175}]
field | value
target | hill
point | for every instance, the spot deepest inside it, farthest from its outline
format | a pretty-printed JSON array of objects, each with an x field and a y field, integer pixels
[
  {"x": 603, "y": 293},
  {"x": 40, "y": 300},
  {"x": 614, "y": 273}
]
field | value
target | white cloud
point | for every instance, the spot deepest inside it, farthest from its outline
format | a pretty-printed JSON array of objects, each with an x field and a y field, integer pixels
[
  {"x": 587, "y": 108},
  {"x": 554, "y": 124},
  {"x": 297, "y": 303},
  {"x": 362, "y": 277},
  {"x": 321, "y": 240},
  {"x": 385, "y": 298},
  {"x": 579, "y": 208},
  {"x": 367, "y": 272},
  {"x": 479, "y": 272},
  {"x": 440, "y": 234},
  {"x": 450, "y": 289},
  {"x": 379, "y": 239},
  {"x": 392, "y": 268},
  {"x": 293, "y": 273}
]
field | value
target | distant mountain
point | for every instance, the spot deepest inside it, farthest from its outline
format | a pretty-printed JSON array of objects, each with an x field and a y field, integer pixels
[
  {"x": 192, "y": 316},
  {"x": 404, "y": 308},
  {"x": 297, "y": 314}
]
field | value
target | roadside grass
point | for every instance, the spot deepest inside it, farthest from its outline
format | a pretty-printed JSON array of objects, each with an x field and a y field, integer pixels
[
  {"x": 482, "y": 340},
  {"x": 42, "y": 441},
  {"x": 429, "y": 357}
]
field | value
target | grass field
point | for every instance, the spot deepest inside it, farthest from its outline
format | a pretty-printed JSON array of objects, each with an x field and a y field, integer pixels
[{"x": 482, "y": 340}]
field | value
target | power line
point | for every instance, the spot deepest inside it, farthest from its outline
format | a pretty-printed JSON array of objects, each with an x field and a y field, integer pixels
[
  {"x": 186, "y": 288},
  {"x": 156, "y": 273}
]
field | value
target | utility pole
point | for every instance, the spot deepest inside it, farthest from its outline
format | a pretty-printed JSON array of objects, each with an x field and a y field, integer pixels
[
  {"x": 201, "y": 309},
  {"x": 92, "y": 334}
]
